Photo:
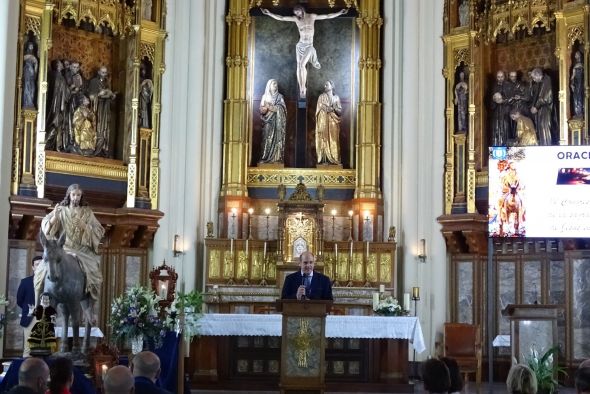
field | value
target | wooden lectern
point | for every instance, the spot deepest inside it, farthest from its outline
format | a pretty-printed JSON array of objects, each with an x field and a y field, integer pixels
[
  {"x": 303, "y": 345},
  {"x": 531, "y": 326}
]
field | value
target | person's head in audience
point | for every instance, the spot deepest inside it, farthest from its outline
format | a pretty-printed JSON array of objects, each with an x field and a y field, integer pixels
[
  {"x": 62, "y": 375},
  {"x": 582, "y": 378},
  {"x": 146, "y": 364},
  {"x": 34, "y": 373},
  {"x": 585, "y": 363},
  {"x": 118, "y": 380},
  {"x": 521, "y": 380},
  {"x": 435, "y": 375},
  {"x": 454, "y": 374}
]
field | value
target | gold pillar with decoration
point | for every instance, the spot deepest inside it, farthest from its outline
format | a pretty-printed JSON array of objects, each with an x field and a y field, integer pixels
[
  {"x": 572, "y": 26},
  {"x": 367, "y": 195}
]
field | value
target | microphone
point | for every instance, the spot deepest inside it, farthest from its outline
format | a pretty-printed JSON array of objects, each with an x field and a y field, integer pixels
[{"x": 304, "y": 296}]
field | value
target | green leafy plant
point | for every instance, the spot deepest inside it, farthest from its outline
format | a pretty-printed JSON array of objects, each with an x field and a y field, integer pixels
[
  {"x": 191, "y": 304},
  {"x": 543, "y": 368}
]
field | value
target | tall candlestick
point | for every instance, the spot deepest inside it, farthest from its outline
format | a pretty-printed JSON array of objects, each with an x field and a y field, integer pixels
[
  {"x": 264, "y": 253},
  {"x": 336, "y": 251},
  {"x": 367, "y": 250},
  {"x": 231, "y": 246}
]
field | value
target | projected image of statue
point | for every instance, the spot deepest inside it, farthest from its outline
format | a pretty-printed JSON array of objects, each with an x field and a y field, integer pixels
[
  {"x": 511, "y": 211},
  {"x": 304, "y": 50}
]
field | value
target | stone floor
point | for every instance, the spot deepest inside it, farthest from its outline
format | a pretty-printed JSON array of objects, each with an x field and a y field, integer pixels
[{"x": 469, "y": 389}]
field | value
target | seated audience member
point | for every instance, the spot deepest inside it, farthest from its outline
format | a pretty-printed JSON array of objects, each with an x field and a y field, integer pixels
[
  {"x": 521, "y": 380},
  {"x": 582, "y": 379},
  {"x": 146, "y": 370},
  {"x": 435, "y": 375},
  {"x": 584, "y": 364},
  {"x": 454, "y": 374},
  {"x": 61, "y": 375},
  {"x": 32, "y": 377},
  {"x": 118, "y": 380}
]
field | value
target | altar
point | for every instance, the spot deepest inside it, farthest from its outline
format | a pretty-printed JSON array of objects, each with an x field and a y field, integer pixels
[{"x": 364, "y": 353}]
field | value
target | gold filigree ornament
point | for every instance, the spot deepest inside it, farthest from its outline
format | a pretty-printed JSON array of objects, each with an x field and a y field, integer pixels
[{"x": 302, "y": 343}]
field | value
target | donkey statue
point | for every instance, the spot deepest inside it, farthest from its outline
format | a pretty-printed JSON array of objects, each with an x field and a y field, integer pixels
[{"x": 65, "y": 283}]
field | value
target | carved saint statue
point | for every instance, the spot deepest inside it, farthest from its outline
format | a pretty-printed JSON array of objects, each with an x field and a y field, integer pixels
[
  {"x": 304, "y": 50},
  {"x": 525, "y": 129},
  {"x": 542, "y": 105},
  {"x": 577, "y": 85},
  {"x": 30, "y": 68},
  {"x": 273, "y": 113},
  {"x": 461, "y": 101},
  {"x": 75, "y": 83},
  {"x": 101, "y": 97},
  {"x": 464, "y": 13},
  {"x": 56, "y": 110},
  {"x": 84, "y": 129},
  {"x": 146, "y": 90},
  {"x": 500, "y": 109},
  {"x": 327, "y": 127}
]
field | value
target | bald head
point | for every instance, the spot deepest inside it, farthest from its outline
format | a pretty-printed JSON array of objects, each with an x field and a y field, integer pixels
[
  {"x": 146, "y": 364},
  {"x": 33, "y": 373},
  {"x": 585, "y": 364},
  {"x": 118, "y": 380}
]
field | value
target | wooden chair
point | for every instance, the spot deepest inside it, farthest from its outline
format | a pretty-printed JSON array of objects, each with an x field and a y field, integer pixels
[{"x": 463, "y": 343}]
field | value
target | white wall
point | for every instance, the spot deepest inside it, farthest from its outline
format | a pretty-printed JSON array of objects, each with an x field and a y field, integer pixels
[
  {"x": 192, "y": 125},
  {"x": 413, "y": 127},
  {"x": 8, "y": 47}
]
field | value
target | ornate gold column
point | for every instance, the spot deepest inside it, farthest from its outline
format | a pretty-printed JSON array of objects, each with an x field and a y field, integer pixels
[
  {"x": 159, "y": 68},
  {"x": 563, "y": 61},
  {"x": 369, "y": 109},
  {"x": 235, "y": 129}
]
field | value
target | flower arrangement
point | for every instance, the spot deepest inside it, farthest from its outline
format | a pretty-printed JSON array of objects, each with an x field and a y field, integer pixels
[
  {"x": 191, "y": 303},
  {"x": 135, "y": 314},
  {"x": 389, "y": 306}
]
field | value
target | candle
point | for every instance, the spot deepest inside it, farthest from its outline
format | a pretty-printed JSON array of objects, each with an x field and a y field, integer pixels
[
  {"x": 163, "y": 292},
  {"x": 381, "y": 288},
  {"x": 246, "y": 247},
  {"x": 375, "y": 300},
  {"x": 264, "y": 253},
  {"x": 104, "y": 368},
  {"x": 336, "y": 251},
  {"x": 350, "y": 250},
  {"x": 415, "y": 293},
  {"x": 407, "y": 301}
]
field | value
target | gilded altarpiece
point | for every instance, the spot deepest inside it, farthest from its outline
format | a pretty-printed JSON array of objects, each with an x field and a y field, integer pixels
[
  {"x": 493, "y": 46},
  {"x": 77, "y": 122}
]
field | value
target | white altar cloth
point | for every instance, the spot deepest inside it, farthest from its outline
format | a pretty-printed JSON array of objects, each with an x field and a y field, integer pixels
[
  {"x": 94, "y": 332},
  {"x": 227, "y": 324}
]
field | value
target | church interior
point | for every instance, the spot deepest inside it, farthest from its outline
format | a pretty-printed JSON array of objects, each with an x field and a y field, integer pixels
[{"x": 215, "y": 142}]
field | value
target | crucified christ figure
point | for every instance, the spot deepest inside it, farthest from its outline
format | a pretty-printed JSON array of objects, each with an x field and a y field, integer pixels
[{"x": 304, "y": 50}]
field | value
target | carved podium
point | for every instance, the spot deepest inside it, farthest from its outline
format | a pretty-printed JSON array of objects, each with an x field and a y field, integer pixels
[
  {"x": 303, "y": 345},
  {"x": 532, "y": 326}
]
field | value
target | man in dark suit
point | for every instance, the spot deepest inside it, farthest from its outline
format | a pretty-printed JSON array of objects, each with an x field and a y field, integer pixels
[
  {"x": 146, "y": 370},
  {"x": 307, "y": 283},
  {"x": 25, "y": 299}
]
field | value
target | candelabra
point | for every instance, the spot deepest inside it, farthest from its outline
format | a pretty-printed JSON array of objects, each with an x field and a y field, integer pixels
[
  {"x": 333, "y": 224},
  {"x": 350, "y": 213},
  {"x": 250, "y": 213},
  {"x": 415, "y": 298},
  {"x": 267, "y": 212}
]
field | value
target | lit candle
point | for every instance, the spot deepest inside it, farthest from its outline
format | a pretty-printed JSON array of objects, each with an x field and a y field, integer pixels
[
  {"x": 415, "y": 293},
  {"x": 104, "y": 368},
  {"x": 163, "y": 292},
  {"x": 375, "y": 300},
  {"x": 407, "y": 301},
  {"x": 381, "y": 288}
]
